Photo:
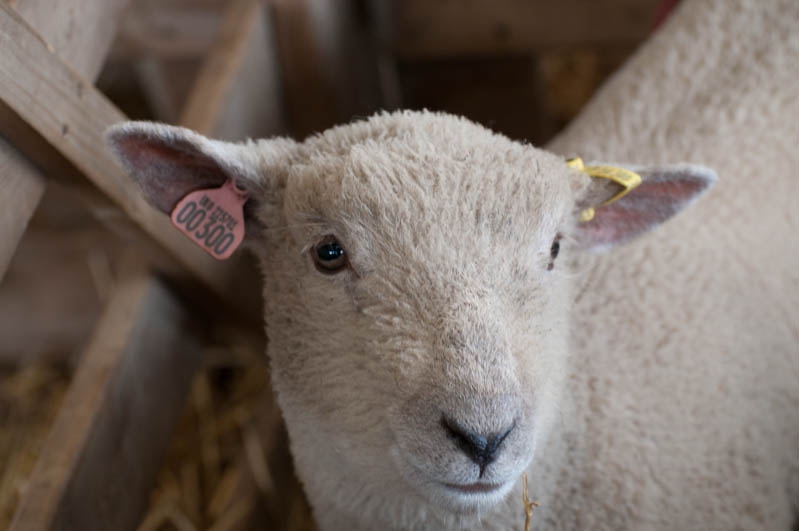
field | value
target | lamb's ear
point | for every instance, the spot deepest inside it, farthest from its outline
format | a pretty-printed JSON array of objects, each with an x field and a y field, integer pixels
[
  {"x": 664, "y": 191},
  {"x": 169, "y": 162}
]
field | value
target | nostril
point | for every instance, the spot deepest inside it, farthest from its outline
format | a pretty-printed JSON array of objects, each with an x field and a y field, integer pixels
[
  {"x": 470, "y": 442},
  {"x": 482, "y": 449}
]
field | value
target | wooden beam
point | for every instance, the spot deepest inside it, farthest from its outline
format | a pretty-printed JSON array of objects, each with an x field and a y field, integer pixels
[
  {"x": 329, "y": 71},
  {"x": 420, "y": 28},
  {"x": 153, "y": 77},
  {"x": 238, "y": 91},
  {"x": 166, "y": 30},
  {"x": 238, "y": 94},
  {"x": 58, "y": 119},
  {"x": 85, "y": 50},
  {"x": 78, "y": 31},
  {"x": 103, "y": 453},
  {"x": 22, "y": 189},
  {"x": 505, "y": 93},
  {"x": 54, "y": 272}
]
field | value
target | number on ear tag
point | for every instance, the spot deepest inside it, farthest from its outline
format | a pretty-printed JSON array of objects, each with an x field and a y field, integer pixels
[{"x": 213, "y": 218}]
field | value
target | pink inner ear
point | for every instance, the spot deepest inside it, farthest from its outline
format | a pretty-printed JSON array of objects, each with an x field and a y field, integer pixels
[
  {"x": 653, "y": 202},
  {"x": 610, "y": 225},
  {"x": 167, "y": 172},
  {"x": 680, "y": 190}
]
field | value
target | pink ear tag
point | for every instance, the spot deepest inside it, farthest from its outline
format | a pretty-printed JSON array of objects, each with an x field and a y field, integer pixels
[{"x": 213, "y": 218}]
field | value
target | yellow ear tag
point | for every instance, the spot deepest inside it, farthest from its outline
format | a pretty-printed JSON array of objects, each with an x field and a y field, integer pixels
[{"x": 625, "y": 178}]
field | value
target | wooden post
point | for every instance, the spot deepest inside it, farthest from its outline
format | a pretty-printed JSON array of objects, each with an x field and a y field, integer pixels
[
  {"x": 107, "y": 443},
  {"x": 85, "y": 50},
  {"x": 238, "y": 92},
  {"x": 415, "y": 29},
  {"x": 78, "y": 31},
  {"x": 328, "y": 71},
  {"x": 60, "y": 127},
  {"x": 20, "y": 193}
]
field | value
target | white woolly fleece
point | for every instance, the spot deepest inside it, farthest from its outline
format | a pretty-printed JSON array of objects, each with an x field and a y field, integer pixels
[{"x": 686, "y": 404}]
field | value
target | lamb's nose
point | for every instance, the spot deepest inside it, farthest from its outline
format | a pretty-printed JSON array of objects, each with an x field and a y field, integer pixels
[{"x": 482, "y": 449}]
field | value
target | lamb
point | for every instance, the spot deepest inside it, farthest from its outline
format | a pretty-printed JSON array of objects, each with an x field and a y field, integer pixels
[{"x": 441, "y": 322}]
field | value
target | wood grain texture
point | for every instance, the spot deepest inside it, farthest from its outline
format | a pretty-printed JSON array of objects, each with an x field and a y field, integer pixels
[
  {"x": 54, "y": 272},
  {"x": 420, "y": 28},
  {"x": 85, "y": 49},
  {"x": 78, "y": 31},
  {"x": 238, "y": 91},
  {"x": 107, "y": 443},
  {"x": 166, "y": 30},
  {"x": 238, "y": 94},
  {"x": 22, "y": 189},
  {"x": 50, "y": 112},
  {"x": 326, "y": 58}
]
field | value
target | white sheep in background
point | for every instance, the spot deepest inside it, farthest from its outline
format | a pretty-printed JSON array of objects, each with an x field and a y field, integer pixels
[{"x": 436, "y": 328}]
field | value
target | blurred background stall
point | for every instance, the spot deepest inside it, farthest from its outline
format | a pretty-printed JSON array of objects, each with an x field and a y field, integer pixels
[{"x": 233, "y": 69}]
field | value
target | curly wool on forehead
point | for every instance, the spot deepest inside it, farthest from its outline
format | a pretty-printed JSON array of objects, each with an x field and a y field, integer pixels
[
  {"x": 415, "y": 127},
  {"x": 414, "y": 164}
]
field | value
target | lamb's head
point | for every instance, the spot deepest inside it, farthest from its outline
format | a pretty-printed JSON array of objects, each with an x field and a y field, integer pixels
[{"x": 416, "y": 293}]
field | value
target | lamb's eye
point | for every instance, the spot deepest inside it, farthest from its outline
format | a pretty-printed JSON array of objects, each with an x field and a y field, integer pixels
[
  {"x": 553, "y": 252},
  {"x": 329, "y": 256}
]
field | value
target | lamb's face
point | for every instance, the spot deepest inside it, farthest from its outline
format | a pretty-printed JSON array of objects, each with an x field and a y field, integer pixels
[
  {"x": 416, "y": 313},
  {"x": 415, "y": 309}
]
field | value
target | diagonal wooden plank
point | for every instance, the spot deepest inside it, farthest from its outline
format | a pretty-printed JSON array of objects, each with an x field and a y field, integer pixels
[
  {"x": 52, "y": 114},
  {"x": 237, "y": 95},
  {"x": 86, "y": 50},
  {"x": 416, "y": 29},
  {"x": 22, "y": 189},
  {"x": 107, "y": 443},
  {"x": 166, "y": 30},
  {"x": 79, "y": 31},
  {"x": 238, "y": 91},
  {"x": 325, "y": 56}
]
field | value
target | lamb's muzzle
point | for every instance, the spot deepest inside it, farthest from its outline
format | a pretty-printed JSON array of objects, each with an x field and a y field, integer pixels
[{"x": 482, "y": 449}]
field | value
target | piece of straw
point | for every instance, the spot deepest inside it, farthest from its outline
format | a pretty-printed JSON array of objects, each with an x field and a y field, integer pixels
[
  {"x": 224, "y": 493},
  {"x": 234, "y": 516},
  {"x": 257, "y": 461},
  {"x": 167, "y": 513},
  {"x": 202, "y": 396},
  {"x": 529, "y": 506},
  {"x": 190, "y": 490}
]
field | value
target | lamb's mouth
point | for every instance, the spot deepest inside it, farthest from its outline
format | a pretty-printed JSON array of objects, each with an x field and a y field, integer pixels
[{"x": 475, "y": 488}]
